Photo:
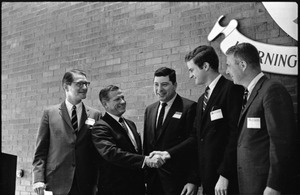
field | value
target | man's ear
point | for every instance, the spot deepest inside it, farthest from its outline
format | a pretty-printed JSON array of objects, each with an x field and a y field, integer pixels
[
  {"x": 206, "y": 66},
  {"x": 65, "y": 87},
  {"x": 243, "y": 65}
]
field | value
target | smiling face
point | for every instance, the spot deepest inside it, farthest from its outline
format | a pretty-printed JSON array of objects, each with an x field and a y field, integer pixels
[
  {"x": 164, "y": 89},
  {"x": 74, "y": 93},
  {"x": 116, "y": 104},
  {"x": 195, "y": 72},
  {"x": 234, "y": 69}
]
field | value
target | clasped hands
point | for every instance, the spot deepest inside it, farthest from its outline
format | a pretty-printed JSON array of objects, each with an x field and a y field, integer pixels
[{"x": 157, "y": 158}]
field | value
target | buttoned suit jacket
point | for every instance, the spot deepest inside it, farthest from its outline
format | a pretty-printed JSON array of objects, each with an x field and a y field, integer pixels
[
  {"x": 265, "y": 152},
  {"x": 175, "y": 138},
  {"x": 121, "y": 165},
  {"x": 59, "y": 152},
  {"x": 217, "y": 138}
]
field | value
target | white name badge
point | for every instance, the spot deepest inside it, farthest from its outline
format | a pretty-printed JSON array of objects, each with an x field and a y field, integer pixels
[
  {"x": 253, "y": 123},
  {"x": 216, "y": 114},
  {"x": 48, "y": 192},
  {"x": 177, "y": 115}
]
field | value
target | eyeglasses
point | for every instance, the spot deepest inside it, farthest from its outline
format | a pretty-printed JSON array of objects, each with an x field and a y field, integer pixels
[{"x": 81, "y": 83}]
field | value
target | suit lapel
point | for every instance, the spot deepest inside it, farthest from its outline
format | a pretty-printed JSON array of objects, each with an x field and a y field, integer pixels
[
  {"x": 117, "y": 127},
  {"x": 84, "y": 115},
  {"x": 176, "y": 106},
  {"x": 63, "y": 111},
  {"x": 215, "y": 94},
  {"x": 153, "y": 116},
  {"x": 253, "y": 94},
  {"x": 135, "y": 134}
]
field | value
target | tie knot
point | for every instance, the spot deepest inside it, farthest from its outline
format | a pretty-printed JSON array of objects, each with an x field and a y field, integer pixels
[
  {"x": 207, "y": 88},
  {"x": 121, "y": 120},
  {"x": 74, "y": 107},
  {"x": 164, "y": 104},
  {"x": 246, "y": 92}
]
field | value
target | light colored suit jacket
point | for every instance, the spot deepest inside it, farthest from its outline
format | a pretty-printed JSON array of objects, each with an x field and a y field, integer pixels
[
  {"x": 59, "y": 152},
  {"x": 267, "y": 139}
]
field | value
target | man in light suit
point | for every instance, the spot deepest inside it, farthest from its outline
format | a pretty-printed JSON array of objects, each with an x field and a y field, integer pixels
[
  {"x": 119, "y": 145},
  {"x": 64, "y": 159},
  {"x": 215, "y": 123},
  {"x": 267, "y": 145},
  {"x": 169, "y": 135}
]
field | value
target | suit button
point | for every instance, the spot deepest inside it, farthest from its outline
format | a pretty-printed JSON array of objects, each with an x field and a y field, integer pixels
[{"x": 201, "y": 140}]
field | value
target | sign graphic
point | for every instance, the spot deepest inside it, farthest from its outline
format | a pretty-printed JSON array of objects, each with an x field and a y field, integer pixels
[
  {"x": 285, "y": 14},
  {"x": 274, "y": 58}
]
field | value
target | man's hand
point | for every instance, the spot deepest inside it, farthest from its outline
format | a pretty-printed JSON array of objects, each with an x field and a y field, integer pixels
[
  {"x": 39, "y": 188},
  {"x": 221, "y": 186},
  {"x": 163, "y": 154},
  {"x": 154, "y": 161},
  {"x": 271, "y": 191},
  {"x": 189, "y": 189}
]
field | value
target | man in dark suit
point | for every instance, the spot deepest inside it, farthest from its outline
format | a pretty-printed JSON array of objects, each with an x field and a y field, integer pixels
[
  {"x": 267, "y": 145},
  {"x": 64, "y": 160},
  {"x": 215, "y": 123},
  {"x": 167, "y": 133},
  {"x": 119, "y": 145}
]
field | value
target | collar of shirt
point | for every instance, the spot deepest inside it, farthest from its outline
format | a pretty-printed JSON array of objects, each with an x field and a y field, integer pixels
[
  {"x": 213, "y": 84},
  {"x": 169, "y": 103},
  {"x": 114, "y": 117},
  {"x": 78, "y": 110},
  {"x": 167, "y": 108},
  {"x": 253, "y": 83}
]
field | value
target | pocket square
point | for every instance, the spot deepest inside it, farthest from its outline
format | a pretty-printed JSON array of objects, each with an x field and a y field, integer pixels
[{"x": 177, "y": 115}]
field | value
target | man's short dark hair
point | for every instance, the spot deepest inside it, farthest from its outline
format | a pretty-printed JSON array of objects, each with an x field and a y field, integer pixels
[
  {"x": 246, "y": 52},
  {"x": 204, "y": 53},
  {"x": 103, "y": 94},
  {"x": 69, "y": 76},
  {"x": 165, "y": 71}
]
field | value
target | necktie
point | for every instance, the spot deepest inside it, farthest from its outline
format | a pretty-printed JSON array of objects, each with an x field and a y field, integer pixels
[
  {"x": 121, "y": 120},
  {"x": 160, "y": 118},
  {"x": 74, "y": 119},
  {"x": 245, "y": 96},
  {"x": 205, "y": 99}
]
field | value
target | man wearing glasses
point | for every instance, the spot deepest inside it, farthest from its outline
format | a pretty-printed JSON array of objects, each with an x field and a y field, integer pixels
[{"x": 64, "y": 159}]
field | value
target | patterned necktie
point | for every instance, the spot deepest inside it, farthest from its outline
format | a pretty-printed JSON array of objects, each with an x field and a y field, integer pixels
[
  {"x": 160, "y": 118},
  {"x": 205, "y": 99},
  {"x": 121, "y": 120},
  {"x": 245, "y": 96},
  {"x": 74, "y": 119}
]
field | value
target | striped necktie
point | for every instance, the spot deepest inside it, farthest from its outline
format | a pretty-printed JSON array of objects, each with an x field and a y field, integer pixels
[
  {"x": 245, "y": 96},
  {"x": 205, "y": 99},
  {"x": 121, "y": 120},
  {"x": 160, "y": 118},
  {"x": 74, "y": 120}
]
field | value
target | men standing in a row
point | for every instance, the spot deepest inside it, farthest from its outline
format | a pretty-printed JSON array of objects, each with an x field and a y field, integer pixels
[
  {"x": 167, "y": 133},
  {"x": 119, "y": 145},
  {"x": 65, "y": 157},
  {"x": 215, "y": 124},
  {"x": 267, "y": 146}
]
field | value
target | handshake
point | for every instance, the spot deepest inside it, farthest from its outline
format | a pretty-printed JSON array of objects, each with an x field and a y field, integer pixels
[{"x": 157, "y": 158}]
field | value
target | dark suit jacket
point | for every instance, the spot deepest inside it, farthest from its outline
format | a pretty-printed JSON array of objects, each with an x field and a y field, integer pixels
[
  {"x": 174, "y": 138},
  {"x": 265, "y": 154},
  {"x": 217, "y": 138},
  {"x": 121, "y": 165},
  {"x": 59, "y": 152}
]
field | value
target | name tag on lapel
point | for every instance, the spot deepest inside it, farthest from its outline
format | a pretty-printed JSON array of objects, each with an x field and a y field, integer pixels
[
  {"x": 253, "y": 123},
  {"x": 216, "y": 114},
  {"x": 177, "y": 115}
]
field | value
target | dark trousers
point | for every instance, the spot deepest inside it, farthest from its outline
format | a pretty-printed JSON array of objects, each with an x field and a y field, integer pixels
[{"x": 74, "y": 189}]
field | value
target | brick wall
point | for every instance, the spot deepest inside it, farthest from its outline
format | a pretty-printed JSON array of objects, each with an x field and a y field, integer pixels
[{"x": 119, "y": 43}]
